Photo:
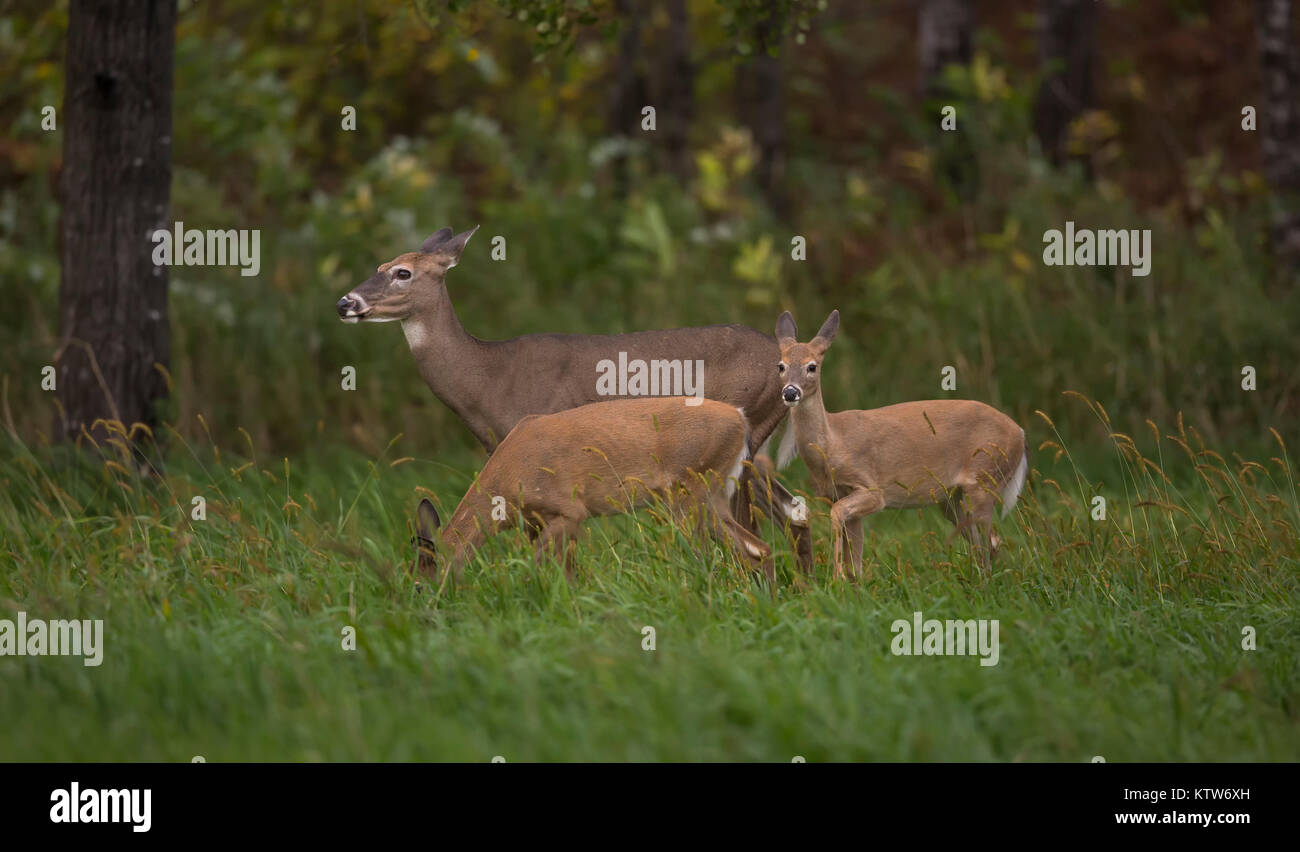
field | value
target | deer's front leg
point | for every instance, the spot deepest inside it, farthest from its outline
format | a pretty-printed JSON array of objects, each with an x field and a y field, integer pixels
[
  {"x": 559, "y": 538},
  {"x": 853, "y": 537},
  {"x": 846, "y": 522}
]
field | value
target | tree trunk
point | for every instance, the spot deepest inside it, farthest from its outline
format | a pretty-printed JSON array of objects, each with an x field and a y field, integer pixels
[
  {"x": 760, "y": 94},
  {"x": 1068, "y": 49},
  {"x": 117, "y": 124},
  {"x": 628, "y": 95},
  {"x": 945, "y": 39},
  {"x": 1279, "y": 125},
  {"x": 678, "y": 90},
  {"x": 945, "y": 35}
]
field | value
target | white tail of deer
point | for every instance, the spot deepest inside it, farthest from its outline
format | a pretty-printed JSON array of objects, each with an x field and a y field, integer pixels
[
  {"x": 961, "y": 455},
  {"x": 553, "y": 471}
]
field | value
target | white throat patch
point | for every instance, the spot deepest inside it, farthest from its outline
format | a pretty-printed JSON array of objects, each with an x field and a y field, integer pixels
[{"x": 416, "y": 335}]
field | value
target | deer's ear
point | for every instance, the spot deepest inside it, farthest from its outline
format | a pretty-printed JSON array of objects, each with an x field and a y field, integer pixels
[
  {"x": 786, "y": 329},
  {"x": 827, "y": 333},
  {"x": 436, "y": 240},
  {"x": 450, "y": 249},
  {"x": 426, "y": 519}
]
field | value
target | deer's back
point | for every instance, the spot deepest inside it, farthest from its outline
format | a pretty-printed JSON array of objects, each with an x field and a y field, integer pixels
[
  {"x": 597, "y": 450},
  {"x": 550, "y": 373},
  {"x": 913, "y": 447}
]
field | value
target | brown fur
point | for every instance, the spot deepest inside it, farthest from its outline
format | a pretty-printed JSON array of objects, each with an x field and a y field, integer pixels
[
  {"x": 959, "y": 454},
  {"x": 492, "y": 384},
  {"x": 556, "y": 470}
]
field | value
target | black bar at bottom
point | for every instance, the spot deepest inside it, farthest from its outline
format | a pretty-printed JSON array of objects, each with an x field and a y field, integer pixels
[{"x": 639, "y": 801}]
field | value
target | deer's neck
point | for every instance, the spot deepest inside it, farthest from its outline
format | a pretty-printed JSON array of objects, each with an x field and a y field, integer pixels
[
  {"x": 468, "y": 528},
  {"x": 453, "y": 363},
  {"x": 462, "y": 540},
  {"x": 812, "y": 433},
  {"x": 433, "y": 330}
]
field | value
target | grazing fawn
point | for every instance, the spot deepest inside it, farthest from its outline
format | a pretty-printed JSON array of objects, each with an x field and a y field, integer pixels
[
  {"x": 553, "y": 471},
  {"x": 492, "y": 384},
  {"x": 961, "y": 455}
]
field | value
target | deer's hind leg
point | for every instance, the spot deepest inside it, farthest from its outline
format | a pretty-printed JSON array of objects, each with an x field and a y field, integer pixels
[
  {"x": 709, "y": 510},
  {"x": 954, "y": 512},
  {"x": 983, "y": 502},
  {"x": 724, "y": 528},
  {"x": 971, "y": 511},
  {"x": 760, "y": 492}
]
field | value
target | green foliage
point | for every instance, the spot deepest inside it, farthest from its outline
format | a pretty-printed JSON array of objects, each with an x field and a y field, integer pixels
[
  {"x": 457, "y": 125},
  {"x": 744, "y": 20},
  {"x": 553, "y": 22}
]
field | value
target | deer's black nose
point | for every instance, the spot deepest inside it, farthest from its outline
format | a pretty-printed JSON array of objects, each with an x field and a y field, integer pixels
[
  {"x": 791, "y": 393},
  {"x": 349, "y": 306}
]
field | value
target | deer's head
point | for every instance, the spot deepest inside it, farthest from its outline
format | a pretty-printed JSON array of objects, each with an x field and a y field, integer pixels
[
  {"x": 800, "y": 365},
  {"x": 400, "y": 286}
]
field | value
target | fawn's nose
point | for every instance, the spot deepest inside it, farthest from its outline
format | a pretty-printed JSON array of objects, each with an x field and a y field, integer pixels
[{"x": 791, "y": 394}]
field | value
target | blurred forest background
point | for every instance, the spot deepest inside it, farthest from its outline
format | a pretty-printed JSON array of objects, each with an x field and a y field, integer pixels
[{"x": 775, "y": 119}]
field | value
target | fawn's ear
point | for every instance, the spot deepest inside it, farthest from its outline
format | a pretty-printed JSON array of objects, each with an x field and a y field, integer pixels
[
  {"x": 436, "y": 240},
  {"x": 786, "y": 330},
  {"x": 827, "y": 333},
  {"x": 426, "y": 522},
  {"x": 426, "y": 519}
]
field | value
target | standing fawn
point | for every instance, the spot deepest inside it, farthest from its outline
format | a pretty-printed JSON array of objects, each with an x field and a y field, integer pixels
[
  {"x": 492, "y": 384},
  {"x": 553, "y": 471},
  {"x": 961, "y": 455}
]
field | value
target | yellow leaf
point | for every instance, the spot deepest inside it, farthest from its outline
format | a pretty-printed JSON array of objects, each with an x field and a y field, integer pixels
[{"x": 917, "y": 161}]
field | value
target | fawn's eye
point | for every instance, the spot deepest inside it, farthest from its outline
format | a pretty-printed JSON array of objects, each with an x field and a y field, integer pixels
[
  {"x": 812, "y": 368},
  {"x": 403, "y": 273},
  {"x": 780, "y": 368}
]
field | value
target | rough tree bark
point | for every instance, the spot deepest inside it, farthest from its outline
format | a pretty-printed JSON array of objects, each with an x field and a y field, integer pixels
[
  {"x": 1068, "y": 48},
  {"x": 760, "y": 101},
  {"x": 628, "y": 94},
  {"x": 678, "y": 77},
  {"x": 946, "y": 27},
  {"x": 116, "y": 189},
  {"x": 1279, "y": 125},
  {"x": 945, "y": 36}
]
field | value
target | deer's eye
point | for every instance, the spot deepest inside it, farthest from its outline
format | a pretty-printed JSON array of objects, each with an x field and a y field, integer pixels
[
  {"x": 403, "y": 274},
  {"x": 812, "y": 368},
  {"x": 780, "y": 368}
]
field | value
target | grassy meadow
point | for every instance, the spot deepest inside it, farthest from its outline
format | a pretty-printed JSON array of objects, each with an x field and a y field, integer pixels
[
  {"x": 1121, "y": 637},
  {"x": 223, "y": 637}
]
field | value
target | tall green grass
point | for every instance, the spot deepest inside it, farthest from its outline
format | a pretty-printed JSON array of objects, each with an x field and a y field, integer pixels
[{"x": 224, "y": 637}]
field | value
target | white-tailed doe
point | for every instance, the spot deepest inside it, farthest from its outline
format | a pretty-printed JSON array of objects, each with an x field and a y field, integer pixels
[
  {"x": 492, "y": 384},
  {"x": 961, "y": 455},
  {"x": 553, "y": 471}
]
